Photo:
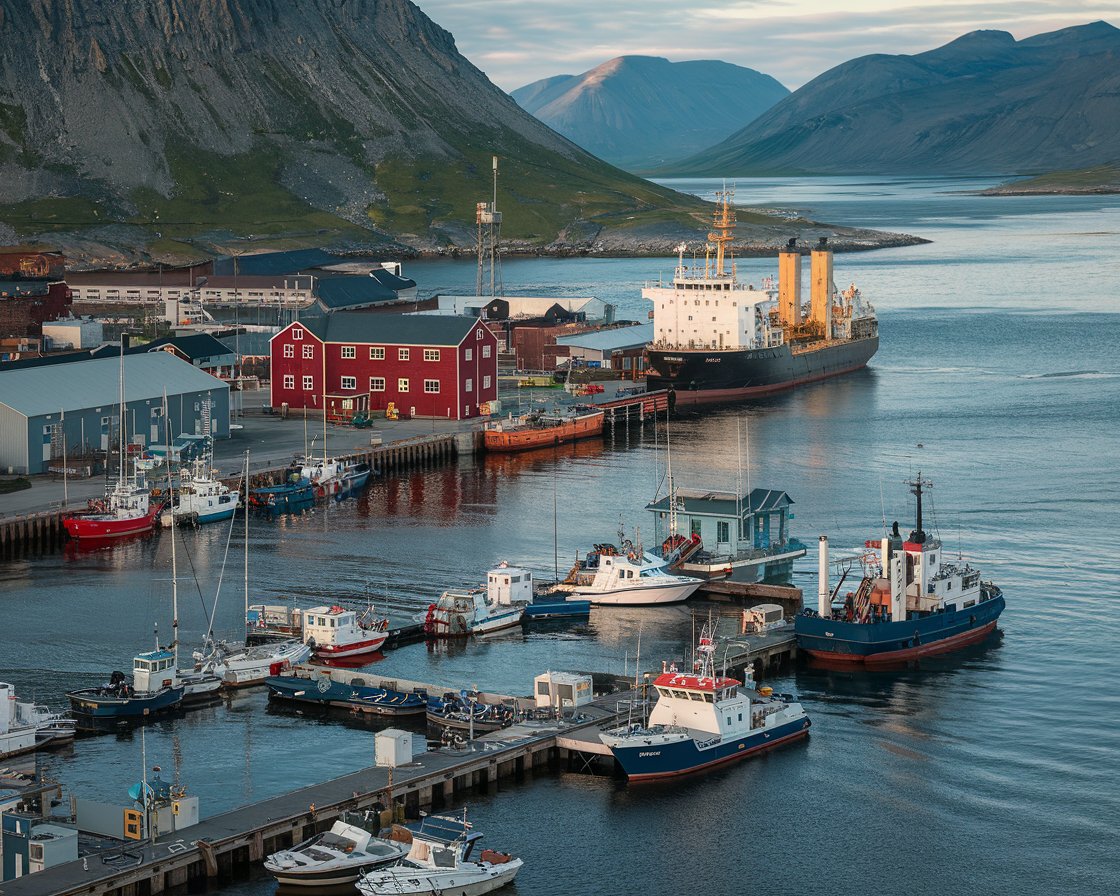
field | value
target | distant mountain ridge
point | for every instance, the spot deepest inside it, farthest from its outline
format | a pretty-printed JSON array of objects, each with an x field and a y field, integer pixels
[
  {"x": 984, "y": 103},
  {"x": 165, "y": 128},
  {"x": 638, "y": 112}
]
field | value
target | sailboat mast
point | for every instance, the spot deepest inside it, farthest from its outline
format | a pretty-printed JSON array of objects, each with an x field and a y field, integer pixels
[
  {"x": 245, "y": 509},
  {"x": 174, "y": 564},
  {"x": 669, "y": 473},
  {"x": 120, "y": 379}
]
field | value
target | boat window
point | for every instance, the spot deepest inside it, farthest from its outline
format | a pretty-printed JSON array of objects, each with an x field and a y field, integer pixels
[
  {"x": 709, "y": 697},
  {"x": 969, "y": 603},
  {"x": 682, "y": 694},
  {"x": 695, "y": 696},
  {"x": 740, "y": 717}
]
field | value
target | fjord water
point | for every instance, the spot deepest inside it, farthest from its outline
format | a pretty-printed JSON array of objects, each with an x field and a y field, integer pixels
[{"x": 994, "y": 770}]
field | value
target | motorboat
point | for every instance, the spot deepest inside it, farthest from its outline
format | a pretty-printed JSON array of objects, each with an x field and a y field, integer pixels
[
  {"x": 609, "y": 576},
  {"x": 154, "y": 688},
  {"x": 239, "y": 666},
  {"x": 318, "y": 687},
  {"x": 334, "y": 632},
  {"x": 462, "y": 613},
  {"x": 335, "y": 858},
  {"x": 464, "y": 712},
  {"x": 439, "y": 863},
  {"x": 25, "y": 727}
]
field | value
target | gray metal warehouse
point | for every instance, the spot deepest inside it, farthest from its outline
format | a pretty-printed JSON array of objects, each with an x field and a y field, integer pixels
[{"x": 82, "y": 399}]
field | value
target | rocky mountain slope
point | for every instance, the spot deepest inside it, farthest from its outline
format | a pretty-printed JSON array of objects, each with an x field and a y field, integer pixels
[
  {"x": 984, "y": 103},
  {"x": 164, "y": 128},
  {"x": 638, "y": 112}
]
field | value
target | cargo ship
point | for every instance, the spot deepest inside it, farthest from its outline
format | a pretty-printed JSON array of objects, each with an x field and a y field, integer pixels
[
  {"x": 718, "y": 339},
  {"x": 538, "y": 430},
  {"x": 912, "y": 602}
]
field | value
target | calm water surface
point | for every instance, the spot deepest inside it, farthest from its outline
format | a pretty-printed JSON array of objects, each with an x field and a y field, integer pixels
[{"x": 992, "y": 771}]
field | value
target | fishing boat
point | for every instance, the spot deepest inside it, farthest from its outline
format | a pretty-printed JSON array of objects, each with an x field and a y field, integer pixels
[
  {"x": 459, "y": 614},
  {"x": 25, "y": 727},
  {"x": 512, "y": 586},
  {"x": 318, "y": 687},
  {"x": 464, "y": 712},
  {"x": 750, "y": 342},
  {"x": 154, "y": 688},
  {"x": 335, "y": 858},
  {"x": 609, "y": 576},
  {"x": 702, "y": 720},
  {"x": 294, "y": 495},
  {"x": 912, "y": 602},
  {"x": 334, "y": 632},
  {"x": 203, "y": 498},
  {"x": 439, "y": 863},
  {"x": 539, "y": 429}
]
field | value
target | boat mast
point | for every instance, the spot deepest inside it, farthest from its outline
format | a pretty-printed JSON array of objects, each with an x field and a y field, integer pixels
[
  {"x": 723, "y": 227},
  {"x": 120, "y": 379},
  {"x": 245, "y": 509},
  {"x": 918, "y": 536},
  {"x": 174, "y": 565},
  {"x": 669, "y": 474}
]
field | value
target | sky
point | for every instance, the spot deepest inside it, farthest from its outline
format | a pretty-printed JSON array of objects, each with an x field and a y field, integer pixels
[{"x": 517, "y": 42}]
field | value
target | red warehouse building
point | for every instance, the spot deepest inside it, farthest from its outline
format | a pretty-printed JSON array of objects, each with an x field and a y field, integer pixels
[{"x": 426, "y": 365}]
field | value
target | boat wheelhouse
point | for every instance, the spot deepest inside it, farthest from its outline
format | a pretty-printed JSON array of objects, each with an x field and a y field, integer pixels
[
  {"x": 155, "y": 687},
  {"x": 333, "y": 632},
  {"x": 458, "y": 614},
  {"x": 713, "y": 534}
]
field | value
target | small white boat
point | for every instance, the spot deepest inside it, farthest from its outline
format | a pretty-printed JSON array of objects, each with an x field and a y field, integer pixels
[
  {"x": 333, "y": 632},
  {"x": 461, "y": 613},
  {"x": 202, "y": 498},
  {"x": 629, "y": 577},
  {"x": 335, "y": 858},
  {"x": 439, "y": 863},
  {"x": 238, "y": 666},
  {"x": 25, "y": 727}
]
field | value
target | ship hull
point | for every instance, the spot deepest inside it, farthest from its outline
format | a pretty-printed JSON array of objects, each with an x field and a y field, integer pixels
[
  {"x": 883, "y": 643},
  {"x": 100, "y": 527},
  {"x": 701, "y": 377},
  {"x": 651, "y": 762},
  {"x": 528, "y": 438}
]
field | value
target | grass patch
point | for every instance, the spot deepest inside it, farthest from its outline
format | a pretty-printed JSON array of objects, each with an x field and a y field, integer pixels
[
  {"x": 1101, "y": 175},
  {"x": 50, "y": 214},
  {"x": 19, "y": 484}
]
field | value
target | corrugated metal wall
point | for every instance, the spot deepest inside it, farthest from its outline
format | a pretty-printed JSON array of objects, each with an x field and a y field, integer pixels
[{"x": 13, "y": 440}]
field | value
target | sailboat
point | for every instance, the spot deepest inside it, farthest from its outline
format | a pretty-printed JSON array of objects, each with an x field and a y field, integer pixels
[
  {"x": 127, "y": 508},
  {"x": 239, "y": 665}
]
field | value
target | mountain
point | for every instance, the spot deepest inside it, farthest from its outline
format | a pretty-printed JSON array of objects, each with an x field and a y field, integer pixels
[
  {"x": 984, "y": 103},
  {"x": 640, "y": 111},
  {"x": 144, "y": 129}
]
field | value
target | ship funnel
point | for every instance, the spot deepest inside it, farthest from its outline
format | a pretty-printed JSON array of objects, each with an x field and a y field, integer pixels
[
  {"x": 824, "y": 602},
  {"x": 789, "y": 284},
  {"x": 821, "y": 287}
]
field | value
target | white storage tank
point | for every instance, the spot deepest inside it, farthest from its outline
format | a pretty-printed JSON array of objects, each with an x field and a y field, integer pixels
[{"x": 393, "y": 747}]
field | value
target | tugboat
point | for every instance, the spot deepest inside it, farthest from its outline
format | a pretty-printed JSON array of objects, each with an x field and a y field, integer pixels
[
  {"x": 702, "y": 720},
  {"x": 439, "y": 863},
  {"x": 911, "y": 603},
  {"x": 746, "y": 342},
  {"x": 335, "y": 858}
]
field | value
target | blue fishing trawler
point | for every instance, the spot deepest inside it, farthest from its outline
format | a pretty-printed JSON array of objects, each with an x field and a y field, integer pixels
[
  {"x": 294, "y": 495},
  {"x": 911, "y": 603},
  {"x": 306, "y": 687},
  {"x": 702, "y": 720},
  {"x": 155, "y": 688}
]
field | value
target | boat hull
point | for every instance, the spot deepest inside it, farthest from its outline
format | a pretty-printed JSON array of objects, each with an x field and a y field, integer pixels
[
  {"x": 93, "y": 711},
  {"x": 334, "y": 880},
  {"x": 358, "y": 648},
  {"x": 650, "y": 762},
  {"x": 700, "y": 377},
  {"x": 450, "y": 882},
  {"x": 326, "y": 692},
  {"x": 639, "y": 597},
  {"x": 556, "y": 609},
  {"x": 101, "y": 527},
  {"x": 528, "y": 438},
  {"x": 871, "y": 644}
]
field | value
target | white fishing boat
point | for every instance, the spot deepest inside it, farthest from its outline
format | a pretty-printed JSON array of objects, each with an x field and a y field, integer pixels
[
  {"x": 25, "y": 727},
  {"x": 440, "y": 863},
  {"x": 626, "y": 576},
  {"x": 333, "y": 632},
  {"x": 462, "y": 613},
  {"x": 203, "y": 498},
  {"x": 335, "y": 858}
]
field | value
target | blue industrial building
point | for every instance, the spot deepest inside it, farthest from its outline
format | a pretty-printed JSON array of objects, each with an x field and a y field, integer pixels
[{"x": 76, "y": 406}]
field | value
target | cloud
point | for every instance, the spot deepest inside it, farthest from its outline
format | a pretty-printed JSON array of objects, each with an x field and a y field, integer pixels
[{"x": 516, "y": 42}]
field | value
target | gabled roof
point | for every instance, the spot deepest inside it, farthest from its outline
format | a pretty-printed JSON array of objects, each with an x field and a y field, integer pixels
[
  {"x": 391, "y": 329},
  {"x": 95, "y": 383},
  {"x": 194, "y": 346},
  {"x": 268, "y": 263},
  {"x": 337, "y": 293},
  {"x": 723, "y": 504}
]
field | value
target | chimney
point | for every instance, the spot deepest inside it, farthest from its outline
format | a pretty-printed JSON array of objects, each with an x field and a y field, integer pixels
[
  {"x": 789, "y": 284},
  {"x": 821, "y": 287}
]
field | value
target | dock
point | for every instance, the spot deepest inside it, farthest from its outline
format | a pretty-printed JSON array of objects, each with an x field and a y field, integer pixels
[{"x": 749, "y": 594}]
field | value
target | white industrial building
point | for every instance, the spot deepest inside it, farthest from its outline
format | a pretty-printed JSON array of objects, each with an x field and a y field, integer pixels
[{"x": 76, "y": 406}]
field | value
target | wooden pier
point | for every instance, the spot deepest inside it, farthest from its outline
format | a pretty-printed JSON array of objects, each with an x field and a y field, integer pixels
[
  {"x": 232, "y": 841},
  {"x": 750, "y": 594},
  {"x": 31, "y": 533},
  {"x": 636, "y": 407}
]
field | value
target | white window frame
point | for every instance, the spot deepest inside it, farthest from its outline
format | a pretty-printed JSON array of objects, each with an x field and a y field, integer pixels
[
  {"x": 348, "y": 382},
  {"x": 402, "y": 384},
  {"x": 431, "y": 387},
  {"x": 349, "y": 351},
  {"x": 469, "y": 355},
  {"x": 297, "y": 333},
  {"x": 289, "y": 381},
  {"x": 309, "y": 384},
  {"x": 289, "y": 351},
  {"x": 308, "y": 352},
  {"x": 486, "y": 382},
  {"x": 469, "y": 387},
  {"x": 377, "y": 384},
  {"x": 431, "y": 354},
  {"x": 486, "y": 351},
  {"x": 377, "y": 353},
  {"x": 402, "y": 354}
]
